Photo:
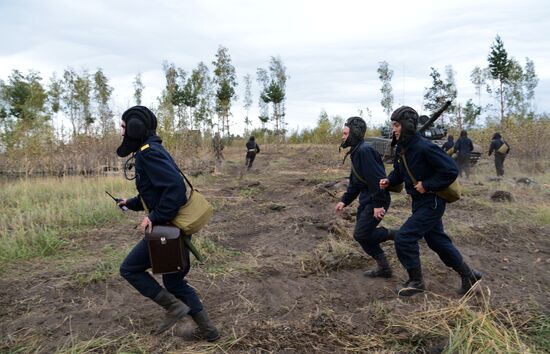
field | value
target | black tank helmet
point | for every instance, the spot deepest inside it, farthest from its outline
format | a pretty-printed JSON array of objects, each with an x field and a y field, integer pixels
[
  {"x": 141, "y": 123},
  {"x": 357, "y": 129},
  {"x": 408, "y": 118}
]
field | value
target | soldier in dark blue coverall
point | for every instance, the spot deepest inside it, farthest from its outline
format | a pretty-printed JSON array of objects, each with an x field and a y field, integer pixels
[
  {"x": 463, "y": 149},
  {"x": 433, "y": 170},
  {"x": 496, "y": 144},
  {"x": 252, "y": 148},
  {"x": 367, "y": 171},
  {"x": 449, "y": 144},
  {"x": 161, "y": 187}
]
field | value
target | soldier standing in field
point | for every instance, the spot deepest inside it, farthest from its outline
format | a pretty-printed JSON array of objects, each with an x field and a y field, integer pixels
[
  {"x": 463, "y": 149},
  {"x": 252, "y": 148},
  {"x": 501, "y": 150},
  {"x": 217, "y": 148}
]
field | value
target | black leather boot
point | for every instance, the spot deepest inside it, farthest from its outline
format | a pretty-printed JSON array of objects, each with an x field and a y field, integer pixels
[
  {"x": 205, "y": 329},
  {"x": 175, "y": 310},
  {"x": 414, "y": 285},
  {"x": 391, "y": 234},
  {"x": 468, "y": 277},
  {"x": 383, "y": 270}
]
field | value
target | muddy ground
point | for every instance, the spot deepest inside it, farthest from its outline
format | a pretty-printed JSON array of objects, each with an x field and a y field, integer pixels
[{"x": 289, "y": 275}]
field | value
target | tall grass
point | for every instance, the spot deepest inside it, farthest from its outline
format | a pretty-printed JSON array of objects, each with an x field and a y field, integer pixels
[
  {"x": 468, "y": 328},
  {"x": 38, "y": 215}
]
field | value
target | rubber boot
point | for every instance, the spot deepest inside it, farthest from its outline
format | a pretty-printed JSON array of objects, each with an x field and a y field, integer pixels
[
  {"x": 414, "y": 285},
  {"x": 468, "y": 277},
  {"x": 383, "y": 270},
  {"x": 175, "y": 310},
  {"x": 205, "y": 330}
]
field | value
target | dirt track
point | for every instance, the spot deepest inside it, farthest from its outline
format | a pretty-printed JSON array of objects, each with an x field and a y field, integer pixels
[{"x": 287, "y": 288}]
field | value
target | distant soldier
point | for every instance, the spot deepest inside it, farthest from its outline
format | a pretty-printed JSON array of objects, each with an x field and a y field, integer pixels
[
  {"x": 501, "y": 149},
  {"x": 251, "y": 150},
  {"x": 449, "y": 144},
  {"x": 463, "y": 149},
  {"x": 366, "y": 171},
  {"x": 217, "y": 146},
  {"x": 433, "y": 170}
]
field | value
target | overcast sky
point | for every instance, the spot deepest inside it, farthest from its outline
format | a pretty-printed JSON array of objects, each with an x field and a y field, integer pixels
[{"x": 331, "y": 48}]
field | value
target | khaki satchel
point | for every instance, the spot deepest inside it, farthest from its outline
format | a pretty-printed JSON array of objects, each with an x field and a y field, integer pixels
[
  {"x": 195, "y": 214},
  {"x": 451, "y": 194},
  {"x": 503, "y": 149},
  {"x": 451, "y": 151}
]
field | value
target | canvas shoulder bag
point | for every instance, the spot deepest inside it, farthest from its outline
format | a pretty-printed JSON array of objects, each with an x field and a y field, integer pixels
[
  {"x": 503, "y": 149},
  {"x": 451, "y": 194},
  {"x": 194, "y": 214},
  {"x": 451, "y": 151}
]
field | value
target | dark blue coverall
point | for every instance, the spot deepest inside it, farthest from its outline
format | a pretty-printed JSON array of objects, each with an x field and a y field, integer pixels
[
  {"x": 464, "y": 148},
  {"x": 437, "y": 170},
  {"x": 369, "y": 166},
  {"x": 161, "y": 186},
  {"x": 499, "y": 158}
]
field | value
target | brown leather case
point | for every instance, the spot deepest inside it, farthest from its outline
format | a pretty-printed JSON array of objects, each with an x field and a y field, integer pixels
[{"x": 167, "y": 250}]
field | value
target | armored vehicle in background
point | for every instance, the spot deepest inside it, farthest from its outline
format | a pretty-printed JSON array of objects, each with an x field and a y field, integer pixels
[{"x": 426, "y": 128}]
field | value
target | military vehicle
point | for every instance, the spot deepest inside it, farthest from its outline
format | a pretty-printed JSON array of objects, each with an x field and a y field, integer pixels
[{"x": 426, "y": 128}]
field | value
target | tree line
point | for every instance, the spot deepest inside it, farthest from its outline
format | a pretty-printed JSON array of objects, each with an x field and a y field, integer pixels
[
  {"x": 504, "y": 79},
  {"x": 201, "y": 98}
]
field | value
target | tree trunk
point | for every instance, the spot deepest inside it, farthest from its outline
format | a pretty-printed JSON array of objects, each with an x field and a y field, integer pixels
[
  {"x": 276, "y": 114},
  {"x": 501, "y": 103},
  {"x": 459, "y": 118},
  {"x": 227, "y": 124}
]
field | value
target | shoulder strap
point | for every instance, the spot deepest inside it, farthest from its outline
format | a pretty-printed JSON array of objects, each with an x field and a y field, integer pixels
[
  {"x": 185, "y": 178},
  {"x": 356, "y": 174},
  {"x": 407, "y": 168},
  {"x": 146, "y": 146}
]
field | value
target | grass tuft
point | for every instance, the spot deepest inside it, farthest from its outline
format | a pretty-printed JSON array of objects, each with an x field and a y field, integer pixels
[{"x": 332, "y": 255}]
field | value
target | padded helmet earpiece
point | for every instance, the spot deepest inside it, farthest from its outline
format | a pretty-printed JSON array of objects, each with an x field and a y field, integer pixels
[
  {"x": 141, "y": 123},
  {"x": 136, "y": 129}
]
